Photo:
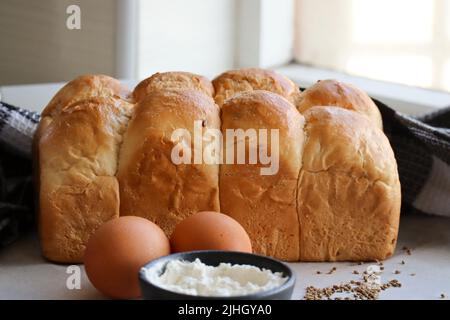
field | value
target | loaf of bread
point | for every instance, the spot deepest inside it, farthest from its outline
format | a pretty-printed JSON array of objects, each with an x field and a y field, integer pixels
[
  {"x": 343, "y": 95},
  {"x": 324, "y": 185},
  {"x": 232, "y": 82},
  {"x": 265, "y": 205},
  {"x": 151, "y": 184},
  {"x": 348, "y": 189},
  {"x": 78, "y": 147}
]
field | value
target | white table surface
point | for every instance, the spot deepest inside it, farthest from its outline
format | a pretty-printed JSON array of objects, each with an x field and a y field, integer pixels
[{"x": 24, "y": 274}]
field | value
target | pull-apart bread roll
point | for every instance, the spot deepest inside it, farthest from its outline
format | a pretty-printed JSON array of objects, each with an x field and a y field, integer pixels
[
  {"x": 308, "y": 179},
  {"x": 232, "y": 82},
  {"x": 87, "y": 87},
  {"x": 81, "y": 88},
  {"x": 174, "y": 80},
  {"x": 265, "y": 204},
  {"x": 339, "y": 94},
  {"x": 348, "y": 189},
  {"x": 151, "y": 184},
  {"x": 78, "y": 141}
]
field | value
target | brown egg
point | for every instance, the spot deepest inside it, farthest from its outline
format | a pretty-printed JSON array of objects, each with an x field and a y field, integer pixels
[
  {"x": 209, "y": 230},
  {"x": 116, "y": 252}
]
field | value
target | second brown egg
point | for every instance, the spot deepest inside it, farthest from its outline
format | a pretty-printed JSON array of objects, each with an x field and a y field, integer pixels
[{"x": 208, "y": 230}]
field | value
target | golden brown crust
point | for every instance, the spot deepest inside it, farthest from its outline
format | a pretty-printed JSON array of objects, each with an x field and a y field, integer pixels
[
  {"x": 175, "y": 80},
  {"x": 75, "y": 151},
  {"x": 231, "y": 82},
  {"x": 151, "y": 185},
  {"x": 78, "y": 151},
  {"x": 86, "y": 87},
  {"x": 265, "y": 205},
  {"x": 348, "y": 191},
  {"x": 335, "y": 197},
  {"x": 335, "y": 93}
]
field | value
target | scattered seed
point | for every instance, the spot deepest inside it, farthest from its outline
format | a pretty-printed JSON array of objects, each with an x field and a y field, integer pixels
[
  {"x": 442, "y": 296},
  {"x": 355, "y": 272},
  {"x": 397, "y": 272},
  {"x": 318, "y": 272},
  {"x": 408, "y": 250},
  {"x": 381, "y": 268},
  {"x": 412, "y": 274},
  {"x": 332, "y": 270},
  {"x": 403, "y": 262},
  {"x": 356, "y": 290},
  {"x": 395, "y": 283}
]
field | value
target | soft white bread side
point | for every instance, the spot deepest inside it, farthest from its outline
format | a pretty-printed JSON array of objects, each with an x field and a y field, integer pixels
[
  {"x": 265, "y": 205},
  {"x": 232, "y": 82},
  {"x": 339, "y": 94},
  {"x": 151, "y": 185},
  {"x": 348, "y": 190}
]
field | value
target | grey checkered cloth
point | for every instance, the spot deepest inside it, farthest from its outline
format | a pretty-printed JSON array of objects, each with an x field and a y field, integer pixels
[
  {"x": 17, "y": 127},
  {"x": 422, "y": 149},
  {"x": 421, "y": 146}
]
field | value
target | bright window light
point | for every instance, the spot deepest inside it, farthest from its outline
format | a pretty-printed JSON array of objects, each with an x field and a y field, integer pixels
[
  {"x": 402, "y": 41},
  {"x": 410, "y": 70},
  {"x": 392, "y": 21},
  {"x": 446, "y": 75}
]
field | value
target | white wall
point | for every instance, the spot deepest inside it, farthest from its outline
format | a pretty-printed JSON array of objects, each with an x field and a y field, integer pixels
[
  {"x": 135, "y": 38},
  {"x": 277, "y": 32},
  {"x": 36, "y": 45},
  {"x": 266, "y": 33},
  {"x": 195, "y": 35}
]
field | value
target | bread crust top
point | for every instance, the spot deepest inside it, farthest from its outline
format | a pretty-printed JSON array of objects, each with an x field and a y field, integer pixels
[
  {"x": 231, "y": 82},
  {"x": 344, "y": 95},
  {"x": 175, "y": 80},
  {"x": 86, "y": 87}
]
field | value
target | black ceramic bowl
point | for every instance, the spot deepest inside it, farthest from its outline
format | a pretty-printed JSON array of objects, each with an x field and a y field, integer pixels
[{"x": 151, "y": 291}]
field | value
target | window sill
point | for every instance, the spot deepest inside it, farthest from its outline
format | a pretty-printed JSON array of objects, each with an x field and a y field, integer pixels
[{"x": 402, "y": 98}]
